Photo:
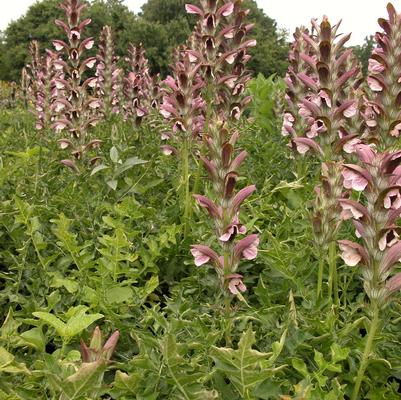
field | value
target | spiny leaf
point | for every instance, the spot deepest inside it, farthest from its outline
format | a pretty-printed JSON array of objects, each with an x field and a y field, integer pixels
[
  {"x": 244, "y": 367},
  {"x": 187, "y": 380}
]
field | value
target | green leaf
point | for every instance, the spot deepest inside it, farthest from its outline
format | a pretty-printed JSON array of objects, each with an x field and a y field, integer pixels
[
  {"x": 9, "y": 365},
  {"x": 53, "y": 321},
  {"x": 244, "y": 367},
  {"x": 99, "y": 168},
  {"x": 187, "y": 380},
  {"x": 34, "y": 338},
  {"x": 80, "y": 321},
  {"x": 114, "y": 154},
  {"x": 112, "y": 184},
  {"x": 338, "y": 353},
  {"x": 119, "y": 294},
  {"x": 300, "y": 366}
]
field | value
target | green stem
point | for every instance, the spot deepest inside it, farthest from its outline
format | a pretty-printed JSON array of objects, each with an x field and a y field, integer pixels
[
  {"x": 333, "y": 282},
  {"x": 300, "y": 165},
  {"x": 320, "y": 276},
  {"x": 227, "y": 309},
  {"x": 186, "y": 199},
  {"x": 368, "y": 349}
]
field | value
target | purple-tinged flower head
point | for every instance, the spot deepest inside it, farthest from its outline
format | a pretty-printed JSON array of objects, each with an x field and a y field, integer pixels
[
  {"x": 323, "y": 82},
  {"x": 78, "y": 108},
  {"x": 108, "y": 83},
  {"x": 293, "y": 123},
  {"x": 182, "y": 105},
  {"x": 34, "y": 67},
  {"x": 218, "y": 53},
  {"x": 47, "y": 91},
  {"x": 326, "y": 218},
  {"x": 330, "y": 79},
  {"x": 377, "y": 176},
  {"x": 42, "y": 89},
  {"x": 138, "y": 85},
  {"x": 219, "y": 44},
  {"x": 382, "y": 106},
  {"x": 97, "y": 351},
  {"x": 225, "y": 211}
]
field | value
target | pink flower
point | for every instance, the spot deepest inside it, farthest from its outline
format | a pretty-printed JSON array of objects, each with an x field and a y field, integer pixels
[
  {"x": 392, "y": 200},
  {"x": 236, "y": 285},
  {"x": 325, "y": 97},
  {"x": 350, "y": 211},
  {"x": 353, "y": 180},
  {"x": 168, "y": 150},
  {"x": 349, "y": 146},
  {"x": 211, "y": 207},
  {"x": 374, "y": 84},
  {"x": 233, "y": 230},
  {"x": 304, "y": 111},
  {"x": 203, "y": 254},
  {"x": 317, "y": 128},
  {"x": 247, "y": 247},
  {"x": 396, "y": 130},
  {"x": 394, "y": 283},
  {"x": 191, "y": 9},
  {"x": 389, "y": 238},
  {"x": 350, "y": 252},
  {"x": 375, "y": 67},
  {"x": 351, "y": 110},
  {"x": 288, "y": 123}
]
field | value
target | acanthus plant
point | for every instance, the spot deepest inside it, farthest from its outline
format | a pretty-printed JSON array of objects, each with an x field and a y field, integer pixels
[
  {"x": 47, "y": 92},
  {"x": 294, "y": 124},
  {"x": 183, "y": 107},
  {"x": 109, "y": 76},
  {"x": 25, "y": 84},
  {"x": 329, "y": 114},
  {"x": 377, "y": 177},
  {"x": 33, "y": 69},
  {"x": 78, "y": 108},
  {"x": 382, "y": 107},
  {"x": 137, "y": 85},
  {"x": 220, "y": 49}
]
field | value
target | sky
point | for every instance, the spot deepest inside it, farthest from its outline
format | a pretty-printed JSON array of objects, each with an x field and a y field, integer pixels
[{"x": 358, "y": 16}]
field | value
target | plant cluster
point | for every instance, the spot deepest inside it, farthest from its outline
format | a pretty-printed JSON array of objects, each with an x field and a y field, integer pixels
[{"x": 104, "y": 289}]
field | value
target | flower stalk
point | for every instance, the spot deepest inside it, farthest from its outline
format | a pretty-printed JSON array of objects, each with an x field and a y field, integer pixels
[
  {"x": 78, "y": 109},
  {"x": 322, "y": 80},
  {"x": 219, "y": 50}
]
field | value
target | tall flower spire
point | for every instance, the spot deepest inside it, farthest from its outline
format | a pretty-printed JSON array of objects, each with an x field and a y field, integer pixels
[
  {"x": 377, "y": 177},
  {"x": 108, "y": 75},
  {"x": 382, "y": 106},
  {"x": 328, "y": 114},
  {"x": 79, "y": 108},
  {"x": 220, "y": 50}
]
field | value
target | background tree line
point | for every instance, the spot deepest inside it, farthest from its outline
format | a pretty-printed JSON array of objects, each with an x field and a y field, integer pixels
[{"x": 161, "y": 26}]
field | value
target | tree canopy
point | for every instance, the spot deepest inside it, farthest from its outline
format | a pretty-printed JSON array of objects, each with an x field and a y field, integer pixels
[{"x": 160, "y": 27}]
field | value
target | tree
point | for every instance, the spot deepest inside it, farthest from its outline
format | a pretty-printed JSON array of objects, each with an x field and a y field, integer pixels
[
  {"x": 38, "y": 24},
  {"x": 270, "y": 54}
]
